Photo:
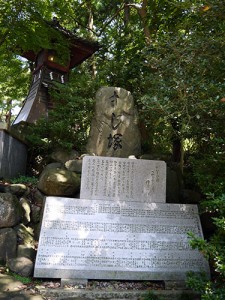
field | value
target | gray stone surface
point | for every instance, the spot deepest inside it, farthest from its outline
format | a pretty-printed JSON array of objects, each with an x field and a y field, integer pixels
[
  {"x": 25, "y": 234},
  {"x": 13, "y": 156},
  {"x": 10, "y": 210},
  {"x": 123, "y": 179},
  {"x": 35, "y": 213},
  {"x": 10, "y": 289},
  {"x": 114, "y": 129},
  {"x": 81, "y": 294},
  {"x": 38, "y": 197},
  {"x": 62, "y": 156},
  {"x": 74, "y": 165},
  {"x": 21, "y": 265},
  {"x": 17, "y": 189},
  {"x": 73, "y": 282},
  {"x": 8, "y": 244},
  {"x": 22, "y": 296},
  {"x": 99, "y": 239},
  {"x": 26, "y": 206},
  {"x": 24, "y": 251}
]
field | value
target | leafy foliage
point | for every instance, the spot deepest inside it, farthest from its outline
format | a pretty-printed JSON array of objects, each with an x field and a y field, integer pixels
[
  {"x": 68, "y": 123},
  {"x": 150, "y": 296},
  {"x": 169, "y": 54},
  {"x": 25, "y": 179},
  {"x": 214, "y": 250},
  {"x": 209, "y": 172},
  {"x": 23, "y": 279},
  {"x": 14, "y": 79}
]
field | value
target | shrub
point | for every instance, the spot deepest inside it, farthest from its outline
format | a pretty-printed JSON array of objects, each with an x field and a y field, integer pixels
[{"x": 214, "y": 250}]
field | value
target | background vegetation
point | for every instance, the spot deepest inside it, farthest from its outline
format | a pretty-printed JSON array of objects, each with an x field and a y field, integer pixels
[{"x": 169, "y": 54}]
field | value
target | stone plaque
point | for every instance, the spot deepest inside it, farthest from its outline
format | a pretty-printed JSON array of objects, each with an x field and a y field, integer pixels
[
  {"x": 123, "y": 179},
  {"x": 99, "y": 239}
]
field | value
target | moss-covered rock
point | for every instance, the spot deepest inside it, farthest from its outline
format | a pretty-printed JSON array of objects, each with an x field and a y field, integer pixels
[
  {"x": 10, "y": 210},
  {"x": 57, "y": 181}
]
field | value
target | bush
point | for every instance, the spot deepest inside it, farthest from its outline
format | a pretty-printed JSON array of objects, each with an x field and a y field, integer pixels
[
  {"x": 150, "y": 296},
  {"x": 214, "y": 250},
  {"x": 68, "y": 122},
  {"x": 25, "y": 180}
]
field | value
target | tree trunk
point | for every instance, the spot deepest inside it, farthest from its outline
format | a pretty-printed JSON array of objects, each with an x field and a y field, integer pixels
[
  {"x": 143, "y": 14},
  {"x": 90, "y": 27},
  {"x": 126, "y": 13},
  {"x": 177, "y": 143},
  {"x": 8, "y": 114},
  {"x": 142, "y": 11}
]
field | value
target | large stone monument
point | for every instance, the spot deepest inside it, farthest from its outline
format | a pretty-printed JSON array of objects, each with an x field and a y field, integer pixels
[
  {"x": 114, "y": 129},
  {"x": 101, "y": 239},
  {"x": 122, "y": 230}
]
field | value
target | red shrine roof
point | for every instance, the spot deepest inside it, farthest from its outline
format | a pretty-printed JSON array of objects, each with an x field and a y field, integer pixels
[{"x": 80, "y": 48}]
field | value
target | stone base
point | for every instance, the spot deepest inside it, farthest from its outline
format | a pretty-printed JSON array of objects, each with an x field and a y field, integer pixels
[
  {"x": 175, "y": 285},
  {"x": 63, "y": 294},
  {"x": 73, "y": 282},
  {"x": 100, "y": 239}
]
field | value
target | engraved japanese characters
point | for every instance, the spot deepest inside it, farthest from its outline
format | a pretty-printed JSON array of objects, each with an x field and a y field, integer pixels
[
  {"x": 99, "y": 239},
  {"x": 123, "y": 179},
  {"x": 121, "y": 228},
  {"x": 114, "y": 129}
]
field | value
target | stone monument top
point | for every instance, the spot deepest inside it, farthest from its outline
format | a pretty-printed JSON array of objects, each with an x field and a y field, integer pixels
[{"x": 114, "y": 129}]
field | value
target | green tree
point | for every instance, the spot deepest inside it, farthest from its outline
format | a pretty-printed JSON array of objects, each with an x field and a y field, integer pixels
[
  {"x": 169, "y": 54},
  {"x": 68, "y": 123},
  {"x": 25, "y": 25}
]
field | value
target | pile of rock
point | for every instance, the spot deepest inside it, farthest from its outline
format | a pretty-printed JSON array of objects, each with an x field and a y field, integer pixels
[
  {"x": 20, "y": 214},
  {"x": 62, "y": 176},
  {"x": 21, "y": 209}
]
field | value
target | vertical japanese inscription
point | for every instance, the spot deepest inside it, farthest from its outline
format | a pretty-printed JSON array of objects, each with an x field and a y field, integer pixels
[
  {"x": 123, "y": 179},
  {"x": 115, "y": 138}
]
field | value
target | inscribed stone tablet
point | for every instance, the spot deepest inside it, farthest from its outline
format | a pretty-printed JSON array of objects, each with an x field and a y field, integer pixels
[
  {"x": 111, "y": 178},
  {"x": 99, "y": 239}
]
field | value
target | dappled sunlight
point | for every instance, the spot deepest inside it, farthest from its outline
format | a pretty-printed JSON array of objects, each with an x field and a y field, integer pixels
[
  {"x": 57, "y": 258},
  {"x": 61, "y": 177},
  {"x": 114, "y": 179},
  {"x": 119, "y": 235},
  {"x": 82, "y": 233}
]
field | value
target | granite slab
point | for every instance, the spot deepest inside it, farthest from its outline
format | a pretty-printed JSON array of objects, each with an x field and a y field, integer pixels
[
  {"x": 100, "y": 239},
  {"x": 123, "y": 179}
]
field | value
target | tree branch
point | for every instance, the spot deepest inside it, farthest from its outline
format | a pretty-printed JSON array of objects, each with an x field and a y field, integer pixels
[
  {"x": 110, "y": 20},
  {"x": 142, "y": 11}
]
